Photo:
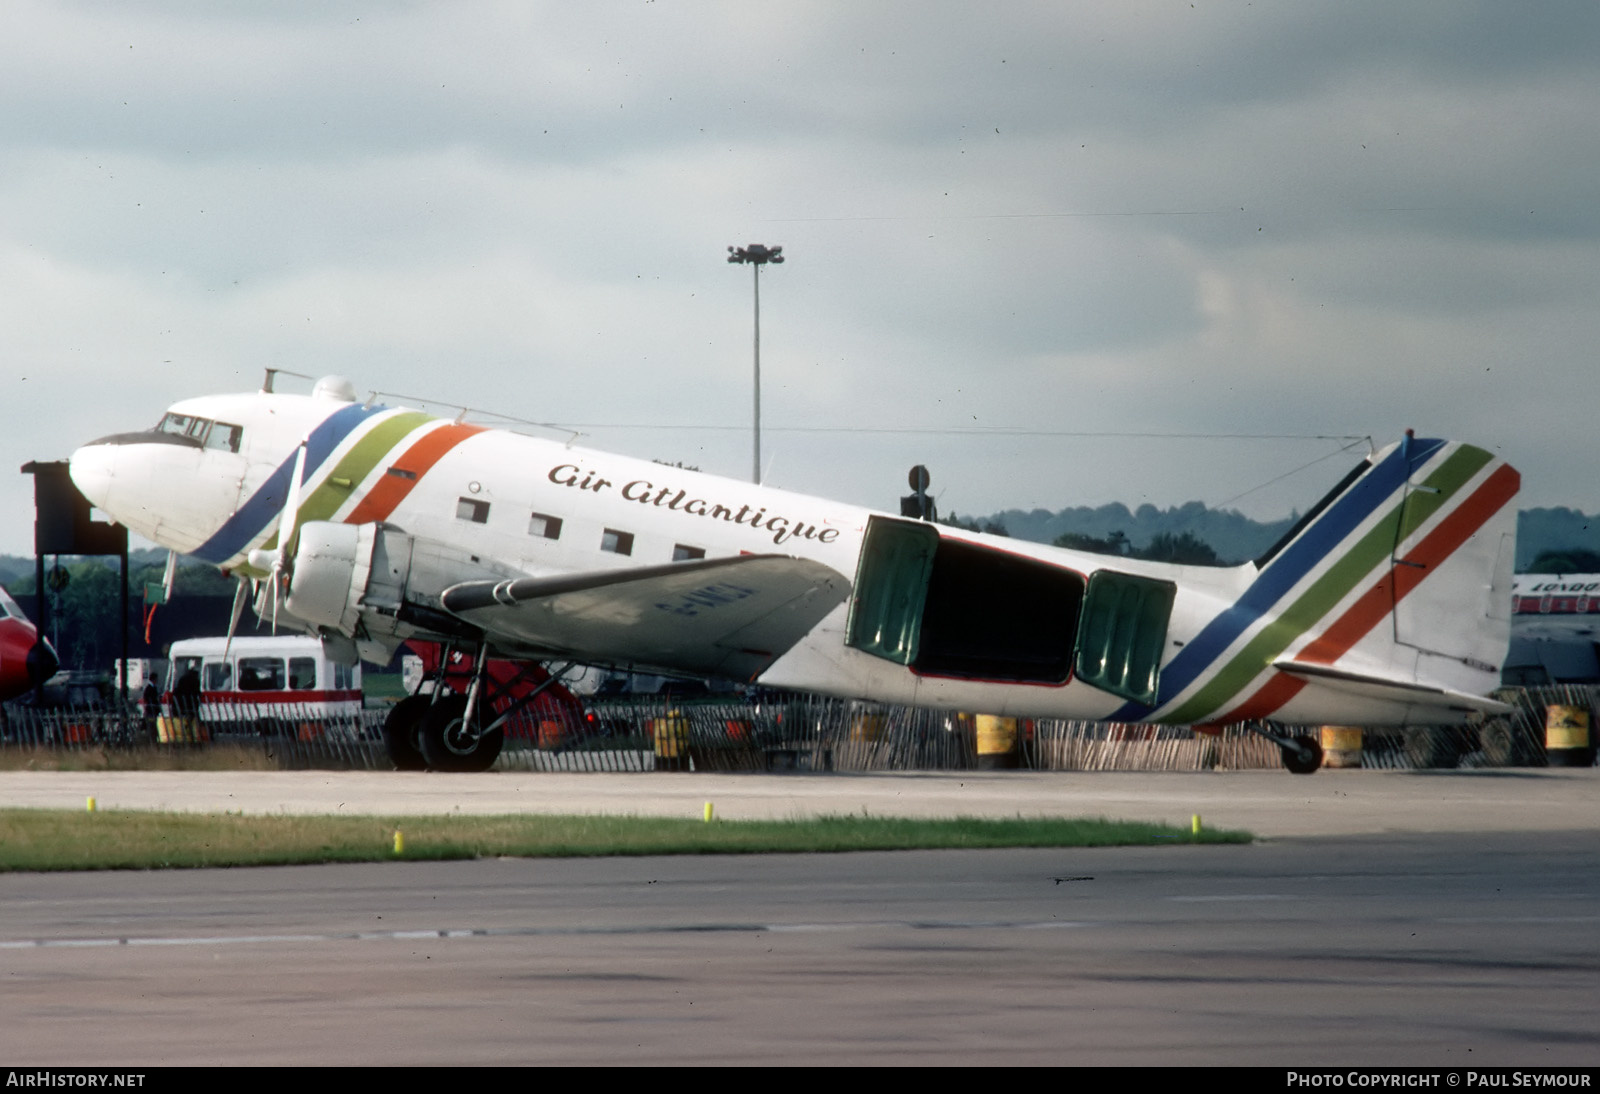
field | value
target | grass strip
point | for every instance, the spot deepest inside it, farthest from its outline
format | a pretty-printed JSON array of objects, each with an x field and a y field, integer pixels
[
  {"x": 212, "y": 757},
  {"x": 45, "y": 839}
]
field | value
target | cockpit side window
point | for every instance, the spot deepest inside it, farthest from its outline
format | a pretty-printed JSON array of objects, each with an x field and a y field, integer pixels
[
  {"x": 218, "y": 435},
  {"x": 179, "y": 425},
  {"x": 224, "y": 437}
]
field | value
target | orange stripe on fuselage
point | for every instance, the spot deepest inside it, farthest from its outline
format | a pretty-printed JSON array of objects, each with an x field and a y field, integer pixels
[
  {"x": 390, "y": 490},
  {"x": 1369, "y": 610}
]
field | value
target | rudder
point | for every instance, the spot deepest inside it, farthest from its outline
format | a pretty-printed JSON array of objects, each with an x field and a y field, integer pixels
[{"x": 1395, "y": 586}]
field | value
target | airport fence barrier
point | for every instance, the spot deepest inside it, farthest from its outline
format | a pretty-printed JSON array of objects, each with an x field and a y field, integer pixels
[{"x": 783, "y": 733}]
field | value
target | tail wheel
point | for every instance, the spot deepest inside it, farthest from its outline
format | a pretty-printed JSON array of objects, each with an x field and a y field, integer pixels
[
  {"x": 1302, "y": 756},
  {"x": 400, "y": 731},
  {"x": 450, "y": 744}
]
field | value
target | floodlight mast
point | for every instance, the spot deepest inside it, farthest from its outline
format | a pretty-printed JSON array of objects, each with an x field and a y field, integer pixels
[{"x": 757, "y": 255}]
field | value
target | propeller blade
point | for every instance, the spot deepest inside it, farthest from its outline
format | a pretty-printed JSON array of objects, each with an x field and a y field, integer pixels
[
  {"x": 169, "y": 575},
  {"x": 277, "y": 562},
  {"x": 291, "y": 507},
  {"x": 283, "y": 565},
  {"x": 239, "y": 596}
]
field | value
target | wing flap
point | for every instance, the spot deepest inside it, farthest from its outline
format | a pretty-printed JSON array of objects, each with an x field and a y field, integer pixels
[
  {"x": 1373, "y": 686},
  {"x": 729, "y": 617}
]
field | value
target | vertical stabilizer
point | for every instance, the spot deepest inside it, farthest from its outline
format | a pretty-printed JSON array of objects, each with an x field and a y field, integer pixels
[{"x": 1394, "y": 587}]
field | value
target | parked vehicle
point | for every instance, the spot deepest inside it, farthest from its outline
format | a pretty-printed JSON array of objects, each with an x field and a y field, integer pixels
[{"x": 254, "y": 684}]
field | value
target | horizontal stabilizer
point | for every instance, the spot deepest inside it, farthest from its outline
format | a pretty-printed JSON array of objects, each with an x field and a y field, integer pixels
[
  {"x": 728, "y": 617},
  {"x": 1372, "y": 686}
]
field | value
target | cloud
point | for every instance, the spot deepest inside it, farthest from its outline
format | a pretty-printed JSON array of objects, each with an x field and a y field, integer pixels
[{"x": 1076, "y": 218}]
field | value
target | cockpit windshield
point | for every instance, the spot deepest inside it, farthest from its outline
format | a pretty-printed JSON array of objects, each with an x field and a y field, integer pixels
[{"x": 219, "y": 435}]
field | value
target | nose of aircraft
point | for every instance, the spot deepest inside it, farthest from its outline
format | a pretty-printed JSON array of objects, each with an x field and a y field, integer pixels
[
  {"x": 42, "y": 663},
  {"x": 90, "y": 467},
  {"x": 26, "y": 660}
]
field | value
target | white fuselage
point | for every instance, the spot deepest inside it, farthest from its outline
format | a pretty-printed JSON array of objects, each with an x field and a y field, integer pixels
[{"x": 212, "y": 480}]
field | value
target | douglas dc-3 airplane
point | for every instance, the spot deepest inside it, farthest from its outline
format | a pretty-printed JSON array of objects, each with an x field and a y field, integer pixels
[{"x": 1388, "y": 604}]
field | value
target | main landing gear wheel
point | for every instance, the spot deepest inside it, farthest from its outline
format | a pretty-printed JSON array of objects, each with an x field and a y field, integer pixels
[
  {"x": 400, "y": 731},
  {"x": 1302, "y": 755},
  {"x": 450, "y": 744},
  {"x": 1502, "y": 745},
  {"x": 1432, "y": 746}
]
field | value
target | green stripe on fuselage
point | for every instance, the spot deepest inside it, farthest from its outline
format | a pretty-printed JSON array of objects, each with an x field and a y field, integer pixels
[
  {"x": 1369, "y": 552},
  {"x": 356, "y": 465}
]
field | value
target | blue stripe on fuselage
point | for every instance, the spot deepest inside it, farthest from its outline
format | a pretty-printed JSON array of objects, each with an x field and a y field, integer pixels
[
  {"x": 253, "y": 516},
  {"x": 1285, "y": 572}
]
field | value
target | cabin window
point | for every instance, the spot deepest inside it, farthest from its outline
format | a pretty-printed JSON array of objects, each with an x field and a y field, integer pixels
[
  {"x": 1123, "y": 633},
  {"x": 471, "y": 509},
  {"x": 260, "y": 674},
  {"x": 683, "y": 553},
  {"x": 544, "y": 526},
  {"x": 180, "y": 666},
  {"x": 302, "y": 673},
  {"x": 620, "y": 543},
  {"x": 219, "y": 676}
]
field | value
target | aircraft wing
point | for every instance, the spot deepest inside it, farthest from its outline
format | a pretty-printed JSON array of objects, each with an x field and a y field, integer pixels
[
  {"x": 1398, "y": 691},
  {"x": 728, "y": 617}
]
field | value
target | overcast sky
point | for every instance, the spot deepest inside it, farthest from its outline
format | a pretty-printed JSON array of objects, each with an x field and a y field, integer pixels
[{"x": 1163, "y": 221}]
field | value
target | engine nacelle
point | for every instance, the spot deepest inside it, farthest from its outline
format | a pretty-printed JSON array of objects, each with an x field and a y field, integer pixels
[
  {"x": 374, "y": 580},
  {"x": 324, "y": 590}
]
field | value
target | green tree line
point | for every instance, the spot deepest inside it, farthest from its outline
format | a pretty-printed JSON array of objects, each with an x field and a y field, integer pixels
[{"x": 85, "y": 603}]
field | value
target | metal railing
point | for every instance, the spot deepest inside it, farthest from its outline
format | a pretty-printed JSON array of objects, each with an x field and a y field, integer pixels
[{"x": 798, "y": 732}]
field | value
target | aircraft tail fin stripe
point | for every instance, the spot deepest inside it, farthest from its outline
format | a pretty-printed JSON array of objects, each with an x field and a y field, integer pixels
[
  {"x": 388, "y": 492},
  {"x": 252, "y": 518},
  {"x": 1397, "y": 582},
  {"x": 1287, "y": 569},
  {"x": 1341, "y": 578},
  {"x": 1453, "y": 531}
]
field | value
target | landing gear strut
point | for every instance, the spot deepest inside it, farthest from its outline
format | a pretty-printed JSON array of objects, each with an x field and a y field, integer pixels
[
  {"x": 441, "y": 730},
  {"x": 451, "y": 734}
]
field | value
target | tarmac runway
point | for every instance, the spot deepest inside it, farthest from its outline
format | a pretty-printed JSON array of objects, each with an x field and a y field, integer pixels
[
  {"x": 1444, "y": 920},
  {"x": 1267, "y": 803}
]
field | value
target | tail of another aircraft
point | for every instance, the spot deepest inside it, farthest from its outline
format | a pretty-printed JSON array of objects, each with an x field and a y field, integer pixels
[{"x": 1395, "y": 589}]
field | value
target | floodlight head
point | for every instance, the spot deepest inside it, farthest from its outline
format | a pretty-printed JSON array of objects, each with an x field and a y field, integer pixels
[{"x": 758, "y": 254}]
